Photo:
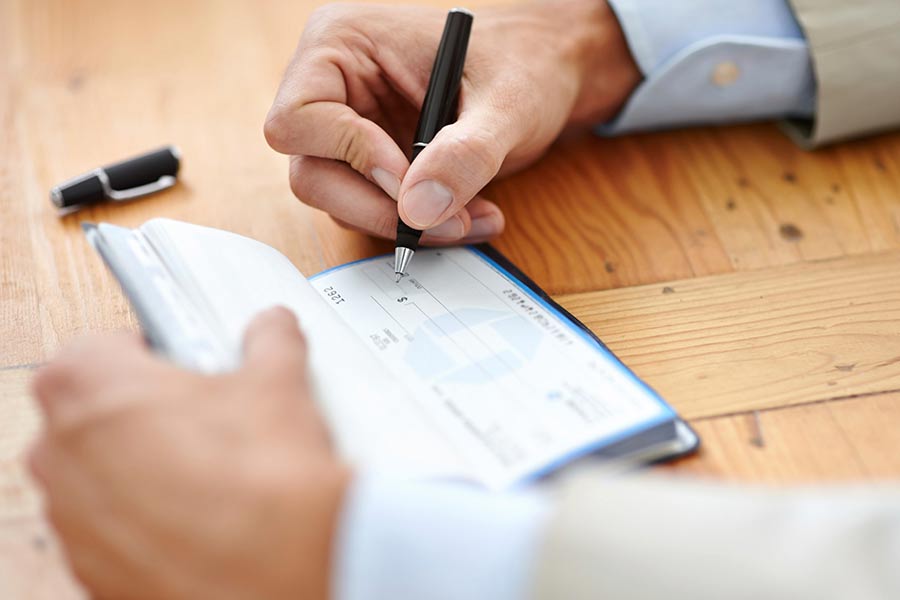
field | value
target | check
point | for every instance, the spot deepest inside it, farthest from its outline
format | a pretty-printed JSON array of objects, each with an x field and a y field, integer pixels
[
  {"x": 462, "y": 369},
  {"x": 509, "y": 381}
]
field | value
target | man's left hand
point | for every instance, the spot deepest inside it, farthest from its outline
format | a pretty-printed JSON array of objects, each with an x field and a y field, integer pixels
[{"x": 163, "y": 483}]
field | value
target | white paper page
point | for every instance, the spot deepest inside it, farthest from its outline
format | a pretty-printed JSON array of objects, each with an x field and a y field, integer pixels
[
  {"x": 512, "y": 386},
  {"x": 373, "y": 418}
]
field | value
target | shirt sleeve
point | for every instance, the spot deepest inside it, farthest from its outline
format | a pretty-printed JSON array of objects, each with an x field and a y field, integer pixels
[
  {"x": 713, "y": 61},
  {"x": 648, "y": 537},
  {"x": 436, "y": 540}
]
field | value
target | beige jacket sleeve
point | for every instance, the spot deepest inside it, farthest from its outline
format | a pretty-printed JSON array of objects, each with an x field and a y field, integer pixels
[
  {"x": 855, "y": 47},
  {"x": 643, "y": 539}
]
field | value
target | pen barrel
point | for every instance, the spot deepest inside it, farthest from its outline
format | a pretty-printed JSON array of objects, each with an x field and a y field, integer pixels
[
  {"x": 141, "y": 170},
  {"x": 441, "y": 100},
  {"x": 407, "y": 237}
]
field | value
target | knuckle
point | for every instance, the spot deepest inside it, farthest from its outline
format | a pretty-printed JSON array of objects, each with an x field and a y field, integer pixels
[
  {"x": 301, "y": 181},
  {"x": 350, "y": 145},
  {"x": 274, "y": 129},
  {"x": 344, "y": 143},
  {"x": 285, "y": 128}
]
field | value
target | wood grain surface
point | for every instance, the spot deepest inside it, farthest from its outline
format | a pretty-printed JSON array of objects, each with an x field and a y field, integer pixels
[
  {"x": 723, "y": 344},
  {"x": 755, "y": 285}
]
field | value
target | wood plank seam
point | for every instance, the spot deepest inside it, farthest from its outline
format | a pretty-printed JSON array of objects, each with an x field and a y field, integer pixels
[{"x": 769, "y": 409}]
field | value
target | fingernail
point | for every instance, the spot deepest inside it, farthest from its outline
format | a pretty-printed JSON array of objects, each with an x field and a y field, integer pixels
[
  {"x": 483, "y": 227},
  {"x": 451, "y": 229},
  {"x": 425, "y": 202},
  {"x": 388, "y": 182}
]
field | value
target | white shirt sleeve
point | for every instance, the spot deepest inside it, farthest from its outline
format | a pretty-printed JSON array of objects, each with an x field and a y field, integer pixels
[
  {"x": 652, "y": 537},
  {"x": 439, "y": 541},
  {"x": 623, "y": 537},
  {"x": 712, "y": 61}
]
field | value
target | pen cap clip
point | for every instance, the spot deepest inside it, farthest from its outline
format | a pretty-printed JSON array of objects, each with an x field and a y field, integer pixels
[
  {"x": 166, "y": 181},
  {"x": 140, "y": 176}
]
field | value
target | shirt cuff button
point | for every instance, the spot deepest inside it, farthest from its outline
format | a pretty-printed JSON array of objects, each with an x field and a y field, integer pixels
[{"x": 725, "y": 73}]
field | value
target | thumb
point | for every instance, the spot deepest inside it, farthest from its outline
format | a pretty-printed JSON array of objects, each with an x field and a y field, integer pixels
[
  {"x": 461, "y": 159},
  {"x": 273, "y": 342}
]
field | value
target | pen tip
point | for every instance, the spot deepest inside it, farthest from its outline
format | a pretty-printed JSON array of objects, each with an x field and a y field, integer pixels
[{"x": 402, "y": 256}]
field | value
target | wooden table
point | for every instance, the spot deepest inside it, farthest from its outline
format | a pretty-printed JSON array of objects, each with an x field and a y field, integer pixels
[{"x": 756, "y": 286}]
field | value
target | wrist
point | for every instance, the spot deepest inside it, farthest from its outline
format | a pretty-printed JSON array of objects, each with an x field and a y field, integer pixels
[{"x": 594, "y": 43}]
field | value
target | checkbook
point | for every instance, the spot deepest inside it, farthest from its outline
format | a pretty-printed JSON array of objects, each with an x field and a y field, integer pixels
[{"x": 463, "y": 370}]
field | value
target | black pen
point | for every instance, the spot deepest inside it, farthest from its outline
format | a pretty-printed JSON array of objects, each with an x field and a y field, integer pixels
[{"x": 438, "y": 109}]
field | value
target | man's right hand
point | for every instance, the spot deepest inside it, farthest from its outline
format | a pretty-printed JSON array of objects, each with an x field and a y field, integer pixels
[{"x": 348, "y": 106}]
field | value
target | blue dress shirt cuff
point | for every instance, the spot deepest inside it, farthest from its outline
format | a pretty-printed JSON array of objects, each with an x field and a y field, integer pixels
[
  {"x": 713, "y": 61},
  {"x": 400, "y": 539}
]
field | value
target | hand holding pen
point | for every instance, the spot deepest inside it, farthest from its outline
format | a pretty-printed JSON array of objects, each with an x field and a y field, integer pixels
[{"x": 350, "y": 101}]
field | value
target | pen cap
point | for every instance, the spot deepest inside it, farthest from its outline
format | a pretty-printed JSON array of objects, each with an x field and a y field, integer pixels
[
  {"x": 142, "y": 170},
  {"x": 124, "y": 180}
]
